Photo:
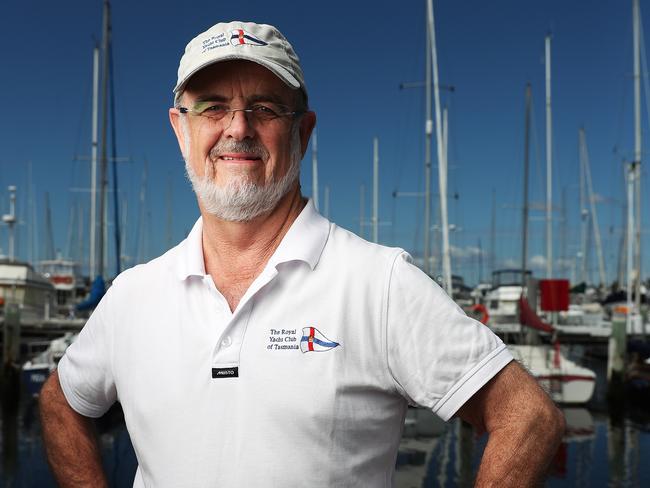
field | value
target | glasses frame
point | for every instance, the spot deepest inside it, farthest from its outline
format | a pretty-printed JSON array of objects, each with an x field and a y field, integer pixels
[{"x": 247, "y": 111}]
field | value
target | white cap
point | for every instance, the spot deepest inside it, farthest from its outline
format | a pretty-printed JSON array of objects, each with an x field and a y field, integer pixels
[{"x": 260, "y": 43}]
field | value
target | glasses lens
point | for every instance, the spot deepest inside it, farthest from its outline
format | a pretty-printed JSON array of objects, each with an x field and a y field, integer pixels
[
  {"x": 258, "y": 114},
  {"x": 211, "y": 110},
  {"x": 265, "y": 112}
]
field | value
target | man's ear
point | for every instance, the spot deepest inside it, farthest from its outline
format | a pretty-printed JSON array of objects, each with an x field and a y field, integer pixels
[
  {"x": 175, "y": 119},
  {"x": 307, "y": 124}
]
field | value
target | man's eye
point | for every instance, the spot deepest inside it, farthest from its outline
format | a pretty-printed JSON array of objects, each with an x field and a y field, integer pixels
[
  {"x": 264, "y": 111},
  {"x": 212, "y": 110}
]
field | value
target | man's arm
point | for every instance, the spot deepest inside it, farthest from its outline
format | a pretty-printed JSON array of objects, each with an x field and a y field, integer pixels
[
  {"x": 524, "y": 427},
  {"x": 70, "y": 440}
]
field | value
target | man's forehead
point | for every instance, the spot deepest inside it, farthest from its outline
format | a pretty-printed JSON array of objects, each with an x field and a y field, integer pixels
[{"x": 235, "y": 75}]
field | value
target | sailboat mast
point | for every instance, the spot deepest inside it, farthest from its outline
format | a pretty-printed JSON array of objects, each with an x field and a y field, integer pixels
[
  {"x": 124, "y": 258},
  {"x": 362, "y": 208},
  {"x": 524, "y": 222},
  {"x": 314, "y": 169},
  {"x": 10, "y": 220},
  {"x": 563, "y": 234},
  {"x": 69, "y": 237},
  {"x": 375, "y": 190},
  {"x": 622, "y": 247},
  {"x": 141, "y": 249},
  {"x": 637, "y": 154},
  {"x": 168, "y": 204},
  {"x": 493, "y": 232},
  {"x": 584, "y": 213},
  {"x": 630, "y": 236},
  {"x": 30, "y": 211},
  {"x": 444, "y": 171},
  {"x": 480, "y": 261},
  {"x": 592, "y": 206},
  {"x": 428, "y": 130},
  {"x": 549, "y": 164},
  {"x": 80, "y": 233},
  {"x": 34, "y": 220},
  {"x": 92, "y": 252},
  {"x": 116, "y": 205},
  {"x": 326, "y": 202},
  {"x": 49, "y": 232},
  {"x": 103, "y": 159},
  {"x": 442, "y": 176}
]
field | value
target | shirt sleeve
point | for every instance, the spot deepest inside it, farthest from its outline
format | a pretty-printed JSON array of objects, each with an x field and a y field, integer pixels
[
  {"x": 85, "y": 371},
  {"x": 437, "y": 355}
]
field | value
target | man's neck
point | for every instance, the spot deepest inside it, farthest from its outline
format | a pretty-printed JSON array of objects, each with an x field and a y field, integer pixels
[{"x": 235, "y": 253}]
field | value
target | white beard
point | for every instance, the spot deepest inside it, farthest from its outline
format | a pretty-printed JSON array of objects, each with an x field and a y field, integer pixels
[{"x": 240, "y": 200}]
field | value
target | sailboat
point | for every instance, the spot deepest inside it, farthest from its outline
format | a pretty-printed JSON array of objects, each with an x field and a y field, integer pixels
[
  {"x": 564, "y": 380},
  {"x": 97, "y": 249},
  {"x": 23, "y": 291},
  {"x": 37, "y": 369}
]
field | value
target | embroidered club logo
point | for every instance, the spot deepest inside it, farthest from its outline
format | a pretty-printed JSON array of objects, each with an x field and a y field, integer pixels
[
  {"x": 314, "y": 340},
  {"x": 239, "y": 37}
]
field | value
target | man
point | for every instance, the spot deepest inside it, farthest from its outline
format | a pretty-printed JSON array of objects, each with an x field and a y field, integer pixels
[{"x": 272, "y": 348}]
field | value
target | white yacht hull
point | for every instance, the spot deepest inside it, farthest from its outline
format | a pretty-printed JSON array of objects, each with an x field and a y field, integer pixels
[{"x": 565, "y": 381}]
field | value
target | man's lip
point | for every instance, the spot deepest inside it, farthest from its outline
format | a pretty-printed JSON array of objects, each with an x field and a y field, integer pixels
[{"x": 239, "y": 157}]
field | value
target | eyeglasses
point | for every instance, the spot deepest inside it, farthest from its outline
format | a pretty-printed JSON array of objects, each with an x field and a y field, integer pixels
[{"x": 258, "y": 114}]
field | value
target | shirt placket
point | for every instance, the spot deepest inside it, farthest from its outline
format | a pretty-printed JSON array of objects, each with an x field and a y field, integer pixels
[{"x": 227, "y": 350}]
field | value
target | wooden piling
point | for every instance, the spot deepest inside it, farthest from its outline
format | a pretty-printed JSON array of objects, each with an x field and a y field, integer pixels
[
  {"x": 11, "y": 334},
  {"x": 616, "y": 357}
]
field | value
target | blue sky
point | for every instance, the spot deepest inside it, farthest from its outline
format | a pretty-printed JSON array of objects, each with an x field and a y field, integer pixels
[{"x": 354, "y": 55}]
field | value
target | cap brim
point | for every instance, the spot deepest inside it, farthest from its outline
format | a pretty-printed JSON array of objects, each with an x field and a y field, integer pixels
[{"x": 275, "y": 68}]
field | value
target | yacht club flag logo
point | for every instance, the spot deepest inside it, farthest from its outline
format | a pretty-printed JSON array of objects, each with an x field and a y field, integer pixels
[
  {"x": 240, "y": 36},
  {"x": 314, "y": 340}
]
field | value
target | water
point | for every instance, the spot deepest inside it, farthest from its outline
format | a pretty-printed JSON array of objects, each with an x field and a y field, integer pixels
[
  {"x": 604, "y": 447},
  {"x": 598, "y": 453},
  {"x": 23, "y": 457}
]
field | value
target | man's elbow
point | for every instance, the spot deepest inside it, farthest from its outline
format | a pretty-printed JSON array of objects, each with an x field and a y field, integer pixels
[
  {"x": 549, "y": 422},
  {"x": 559, "y": 423}
]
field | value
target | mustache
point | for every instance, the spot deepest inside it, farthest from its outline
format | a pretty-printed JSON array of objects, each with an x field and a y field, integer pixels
[{"x": 246, "y": 146}]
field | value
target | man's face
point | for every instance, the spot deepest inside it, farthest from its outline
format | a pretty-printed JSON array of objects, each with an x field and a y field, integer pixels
[{"x": 240, "y": 151}]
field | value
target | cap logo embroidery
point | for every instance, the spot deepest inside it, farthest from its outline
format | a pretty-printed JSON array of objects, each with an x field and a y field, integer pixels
[
  {"x": 314, "y": 340},
  {"x": 239, "y": 37},
  {"x": 212, "y": 42}
]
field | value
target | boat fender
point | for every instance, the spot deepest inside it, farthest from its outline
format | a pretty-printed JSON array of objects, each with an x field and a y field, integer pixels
[{"x": 480, "y": 308}]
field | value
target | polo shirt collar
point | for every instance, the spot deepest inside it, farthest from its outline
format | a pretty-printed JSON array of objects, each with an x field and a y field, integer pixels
[
  {"x": 191, "y": 259},
  {"x": 304, "y": 241}
]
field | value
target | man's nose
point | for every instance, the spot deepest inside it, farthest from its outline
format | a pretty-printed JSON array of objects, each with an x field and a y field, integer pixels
[{"x": 240, "y": 126}]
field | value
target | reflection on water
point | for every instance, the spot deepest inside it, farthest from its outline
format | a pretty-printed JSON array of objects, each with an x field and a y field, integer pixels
[
  {"x": 605, "y": 445},
  {"x": 9, "y": 408},
  {"x": 23, "y": 458},
  {"x": 596, "y": 451}
]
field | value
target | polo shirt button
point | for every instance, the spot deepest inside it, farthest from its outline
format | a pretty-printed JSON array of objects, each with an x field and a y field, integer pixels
[{"x": 226, "y": 341}]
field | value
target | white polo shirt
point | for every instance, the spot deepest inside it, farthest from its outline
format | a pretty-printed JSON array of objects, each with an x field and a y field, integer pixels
[{"x": 306, "y": 383}]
